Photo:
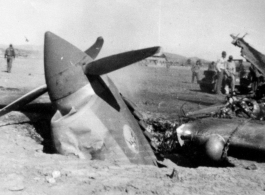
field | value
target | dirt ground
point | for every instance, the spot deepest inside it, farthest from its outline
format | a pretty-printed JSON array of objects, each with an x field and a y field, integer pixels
[{"x": 29, "y": 166}]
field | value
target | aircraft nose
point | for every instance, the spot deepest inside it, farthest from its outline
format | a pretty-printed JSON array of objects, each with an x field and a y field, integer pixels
[{"x": 63, "y": 67}]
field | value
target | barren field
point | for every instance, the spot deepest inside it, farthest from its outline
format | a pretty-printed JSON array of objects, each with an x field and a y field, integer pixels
[{"x": 29, "y": 166}]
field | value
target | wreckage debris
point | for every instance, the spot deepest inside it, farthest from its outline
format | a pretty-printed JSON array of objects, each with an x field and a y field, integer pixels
[
  {"x": 243, "y": 108},
  {"x": 205, "y": 136},
  {"x": 164, "y": 136},
  {"x": 236, "y": 106}
]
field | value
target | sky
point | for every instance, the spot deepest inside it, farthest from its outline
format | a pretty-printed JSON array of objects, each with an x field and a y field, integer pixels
[{"x": 191, "y": 28}]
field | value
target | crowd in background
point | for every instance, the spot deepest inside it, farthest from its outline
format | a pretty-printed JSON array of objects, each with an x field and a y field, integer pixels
[{"x": 224, "y": 74}]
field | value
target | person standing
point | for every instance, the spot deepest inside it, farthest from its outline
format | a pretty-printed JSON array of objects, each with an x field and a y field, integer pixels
[
  {"x": 195, "y": 69},
  {"x": 211, "y": 66},
  {"x": 10, "y": 55},
  {"x": 220, "y": 67},
  {"x": 231, "y": 72}
]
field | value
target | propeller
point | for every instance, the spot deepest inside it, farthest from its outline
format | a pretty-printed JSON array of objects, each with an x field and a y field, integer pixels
[
  {"x": 234, "y": 38},
  {"x": 64, "y": 62},
  {"x": 245, "y": 35},
  {"x": 115, "y": 62},
  {"x": 25, "y": 99},
  {"x": 94, "y": 50}
]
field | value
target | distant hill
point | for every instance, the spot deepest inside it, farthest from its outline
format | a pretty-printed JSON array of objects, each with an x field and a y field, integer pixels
[
  {"x": 175, "y": 58},
  {"x": 194, "y": 59},
  {"x": 25, "y": 51},
  {"x": 182, "y": 60}
]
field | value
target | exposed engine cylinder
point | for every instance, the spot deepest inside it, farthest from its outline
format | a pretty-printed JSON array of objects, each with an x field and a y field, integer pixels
[{"x": 214, "y": 147}]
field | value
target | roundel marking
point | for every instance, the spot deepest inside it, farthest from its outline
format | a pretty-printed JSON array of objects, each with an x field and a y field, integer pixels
[{"x": 130, "y": 138}]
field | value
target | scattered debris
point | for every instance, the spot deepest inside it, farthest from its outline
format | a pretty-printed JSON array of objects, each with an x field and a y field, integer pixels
[
  {"x": 56, "y": 174},
  {"x": 50, "y": 180}
]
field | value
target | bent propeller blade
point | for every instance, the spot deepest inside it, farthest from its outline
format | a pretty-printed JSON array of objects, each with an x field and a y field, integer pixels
[
  {"x": 94, "y": 50},
  {"x": 92, "y": 120},
  {"x": 25, "y": 99},
  {"x": 115, "y": 62}
]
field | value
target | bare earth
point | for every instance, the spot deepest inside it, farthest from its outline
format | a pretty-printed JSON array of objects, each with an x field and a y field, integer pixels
[{"x": 28, "y": 166}]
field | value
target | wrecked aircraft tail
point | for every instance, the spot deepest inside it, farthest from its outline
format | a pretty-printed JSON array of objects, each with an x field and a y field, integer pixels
[
  {"x": 251, "y": 54},
  {"x": 92, "y": 120}
]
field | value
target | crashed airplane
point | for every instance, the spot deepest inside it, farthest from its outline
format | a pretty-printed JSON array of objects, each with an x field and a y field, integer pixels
[
  {"x": 92, "y": 120},
  {"x": 236, "y": 128}
]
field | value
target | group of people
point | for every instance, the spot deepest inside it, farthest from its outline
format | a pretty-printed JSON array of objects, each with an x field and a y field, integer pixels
[
  {"x": 226, "y": 72},
  {"x": 225, "y": 69},
  {"x": 10, "y": 55}
]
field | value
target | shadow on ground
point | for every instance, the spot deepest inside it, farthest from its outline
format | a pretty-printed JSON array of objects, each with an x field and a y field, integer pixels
[{"x": 40, "y": 117}]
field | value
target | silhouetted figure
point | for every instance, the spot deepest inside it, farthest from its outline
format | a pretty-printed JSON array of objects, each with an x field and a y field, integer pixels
[
  {"x": 10, "y": 55},
  {"x": 195, "y": 69},
  {"x": 220, "y": 67},
  {"x": 212, "y": 67},
  {"x": 230, "y": 73},
  {"x": 208, "y": 83}
]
